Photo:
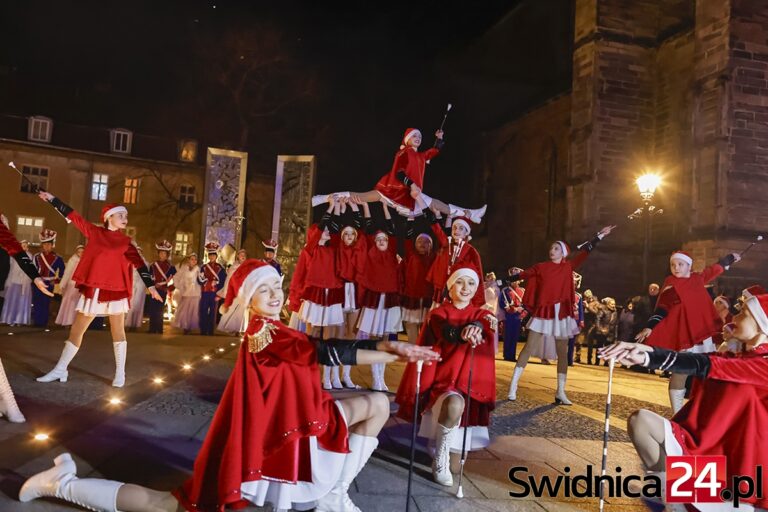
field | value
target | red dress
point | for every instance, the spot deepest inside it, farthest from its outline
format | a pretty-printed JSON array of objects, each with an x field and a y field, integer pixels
[
  {"x": 380, "y": 275},
  {"x": 297, "y": 282},
  {"x": 549, "y": 283},
  {"x": 417, "y": 290},
  {"x": 414, "y": 164},
  {"x": 736, "y": 393},
  {"x": 350, "y": 265},
  {"x": 691, "y": 317},
  {"x": 271, "y": 405},
  {"x": 440, "y": 270},
  {"x": 322, "y": 284},
  {"x": 107, "y": 262},
  {"x": 451, "y": 373}
]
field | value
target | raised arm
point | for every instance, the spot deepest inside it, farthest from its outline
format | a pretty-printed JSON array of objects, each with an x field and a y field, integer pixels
[
  {"x": 588, "y": 247},
  {"x": 69, "y": 214},
  {"x": 141, "y": 267}
]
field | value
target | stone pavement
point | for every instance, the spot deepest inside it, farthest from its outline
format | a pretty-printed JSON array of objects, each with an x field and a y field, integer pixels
[{"x": 152, "y": 436}]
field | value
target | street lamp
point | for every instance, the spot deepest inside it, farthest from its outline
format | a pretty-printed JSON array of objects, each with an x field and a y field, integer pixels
[{"x": 647, "y": 185}]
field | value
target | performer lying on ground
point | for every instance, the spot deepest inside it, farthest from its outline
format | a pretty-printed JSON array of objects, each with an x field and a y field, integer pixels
[
  {"x": 276, "y": 435},
  {"x": 453, "y": 330},
  {"x": 8, "y": 242},
  {"x": 734, "y": 390},
  {"x": 401, "y": 188}
]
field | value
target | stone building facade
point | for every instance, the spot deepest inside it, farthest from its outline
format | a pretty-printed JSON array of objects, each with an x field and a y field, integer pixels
[
  {"x": 161, "y": 182},
  {"x": 676, "y": 87}
]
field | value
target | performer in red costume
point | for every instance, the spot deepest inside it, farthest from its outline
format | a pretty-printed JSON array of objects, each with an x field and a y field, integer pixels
[
  {"x": 454, "y": 251},
  {"x": 402, "y": 187},
  {"x": 453, "y": 330},
  {"x": 104, "y": 277},
  {"x": 549, "y": 297},
  {"x": 8, "y": 242},
  {"x": 276, "y": 436},
  {"x": 685, "y": 318},
  {"x": 726, "y": 417},
  {"x": 380, "y": 285},
  {"x": 416, "y": 300}
]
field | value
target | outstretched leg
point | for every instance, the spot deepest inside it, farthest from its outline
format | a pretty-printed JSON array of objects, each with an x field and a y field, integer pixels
[{"x": 534, "y": 339}]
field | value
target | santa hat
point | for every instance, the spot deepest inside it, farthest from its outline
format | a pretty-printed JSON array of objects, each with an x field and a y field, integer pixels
[
  {"x": 211, "y": 247},
  {"x": 22, "y": 242},
  {"x": 462, "y": 272},
  {"x": 251, "y": 274},
  {"x": 349, "y": 229},
  {"x": 164, "y": 245},
  {"x": 410, "y": 132},
  {"x": 111, "y": 209},
  {"x": 424, "y": 235},
  {"x": 564, "y": 247},
  {"x": 756, "y": 299},
  {"x": 381, "y": 234},
  {"x": 81, "y": 246},
  {"x": 683, "y": 256},
  {"x": 464, "y": 221},
  {"x": 4, "y": 220},
  {"x": 270, "y": 245},
  {"x": 47, "y": 235},
  {"x": 724, "y": 300}
]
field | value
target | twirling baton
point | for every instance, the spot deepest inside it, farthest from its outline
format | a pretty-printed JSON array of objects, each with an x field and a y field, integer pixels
[
  {"x": 33, "y": 186},
  {"x": 447, "y": 109},
  {"x": 419, "y": 364},
  {"x": 611, "y": 363},
  {"x": 460, "y": 491},
  {"x": 757, "y": 239}
]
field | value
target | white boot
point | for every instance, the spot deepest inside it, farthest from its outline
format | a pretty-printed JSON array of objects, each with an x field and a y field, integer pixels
[
  {"x": 335, "y": 382},
  {"x": 441, "y": 465},
  {"x": 61, "y": 482},
  {"x": 512, "y": 395},
  {"x": 378, "y": 377},
  {"x": 475, "y": 215},
  {"x": 676, "y": 399},
  {"x": 326, "y": 198},
  {"x": 337, "y": 500},
  {"x": 347, "y": 378},
  {"x": 560, "y": 398},
  {"x": 59, "y": 371},
  {"x": 120, "y": 348},
  {"x": 8, "y": 407},
  {"x": 327, "y": 378}
]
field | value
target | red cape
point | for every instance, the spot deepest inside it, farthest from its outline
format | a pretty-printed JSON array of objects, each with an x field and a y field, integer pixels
[
  {"x": 691, "y": 315},
  {"x": 452, "y": 372},
  {"x": 548, "y": 283},
  {"x": 381, "y": 273},
  {"x": 350, "y": 261},
  {"x": 271, "y": 405},
  {"x": 728, "y": 415},
  {"x": 415, "y": 269},
  {"x": 438, "y": 272}
]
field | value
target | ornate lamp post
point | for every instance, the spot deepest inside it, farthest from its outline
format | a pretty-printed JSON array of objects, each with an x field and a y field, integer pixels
[{"x": 647, "y": 185}]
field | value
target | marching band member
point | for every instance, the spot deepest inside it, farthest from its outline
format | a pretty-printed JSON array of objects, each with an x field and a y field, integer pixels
[
  {"x": 549, "y": 297},
  {"x": 104, "y": 278},
  {"x": 514, "y": 314},
  {"x": 276, "y": 436},
  {"x": 454, "y": 251},
  {"x": 21, "y": 260},
  {"x": 162, "y": 272},
  {"x": 402, "y": 187},
  {"x": 231, "y": 321},
  {"x": 212, "y": 278},
  {"x": 726, "y": 416},
  {"x": 69, "y": 292},
  {"x": 454, "y": 330},
  {"x": 51, "y": 269},
  {"x": 187, "y": 293},
  {"x": 685, "y": 318},
  {"x": 380, "y": 313},
  {"x": 135, "y": 314},
  {"x": 17, "y": 305},
  {"x": 270, "y": 250}
]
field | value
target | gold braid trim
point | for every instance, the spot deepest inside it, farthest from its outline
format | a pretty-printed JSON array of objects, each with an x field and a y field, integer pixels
[{"x": 261, "y": 338}]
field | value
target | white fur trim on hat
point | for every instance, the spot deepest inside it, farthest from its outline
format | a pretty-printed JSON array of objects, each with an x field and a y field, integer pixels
[
  {"x": 117, "y": 209},
  {"x": 681, "y": 256},
  {"x": 381, "y": 234},
  {"x": 756, "y": 308},
  {"x": 462, "y": 272},
  {"x": 410, "y": 134},
  {"x": 463, "y": 223},
  {"x": 424, "y": 235},
  {"x": 350, "y": 229},
  {"x": 255, "y": 279},
  {"x": 563, "y": 247}
]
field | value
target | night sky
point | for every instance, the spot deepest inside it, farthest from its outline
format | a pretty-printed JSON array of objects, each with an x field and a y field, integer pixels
[{"x": 350, "y": 76}]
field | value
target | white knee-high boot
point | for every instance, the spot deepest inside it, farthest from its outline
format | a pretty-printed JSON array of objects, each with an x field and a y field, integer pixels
[
  {"x": 8, "y": 406},
  {"x": 377, "y": 369},
  {"x": 560, "y": 398},
  {"x": 676, "y": 399},
  {"x": 475, "y": 215},
  {"x": 335, "y": 382},
  {"x": 61, "y": 482},
  {"x": 327, "y": 377},
  {"x": 59, "y": 371},
  {"x": 337, "y": 500},
  {"x": 326, "y": 198},
  {"x": 121, "y": 349},
  {"x": 512, "y": 395},
  {"x": 347, "y": 378},
  {"x": 441, "y": 464}
]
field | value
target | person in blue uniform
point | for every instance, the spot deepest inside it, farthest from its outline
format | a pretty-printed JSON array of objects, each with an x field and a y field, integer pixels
[
  {"x": 50, "y": 266},
  {"x": 212, "y": 279},
  {"x": 162, "y": 272},
  {"x": 270, "y": 249}
]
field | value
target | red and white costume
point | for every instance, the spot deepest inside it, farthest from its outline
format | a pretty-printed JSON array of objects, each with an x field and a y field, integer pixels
[
  {"x": 379, "y": 292},
  {"x": 453, "y": 254},
  {"x": 323, "y": 292},
  {"x": 350, "y": 266},
  {"x": 416, "y": 299}
]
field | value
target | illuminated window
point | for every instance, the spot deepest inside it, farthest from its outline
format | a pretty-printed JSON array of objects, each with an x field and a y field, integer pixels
[
  {"x": 99, "y": 187},
  {"x": 121, "y": 140},
  {"x": 188, "y": 150},
  {"x": 28, "y": 228},
  {"x": 39, "y": 129},
  {"x": 36, "y": 177},
  {"x": 183, "y": 243},
  {"x": 131, "y": 192}
]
